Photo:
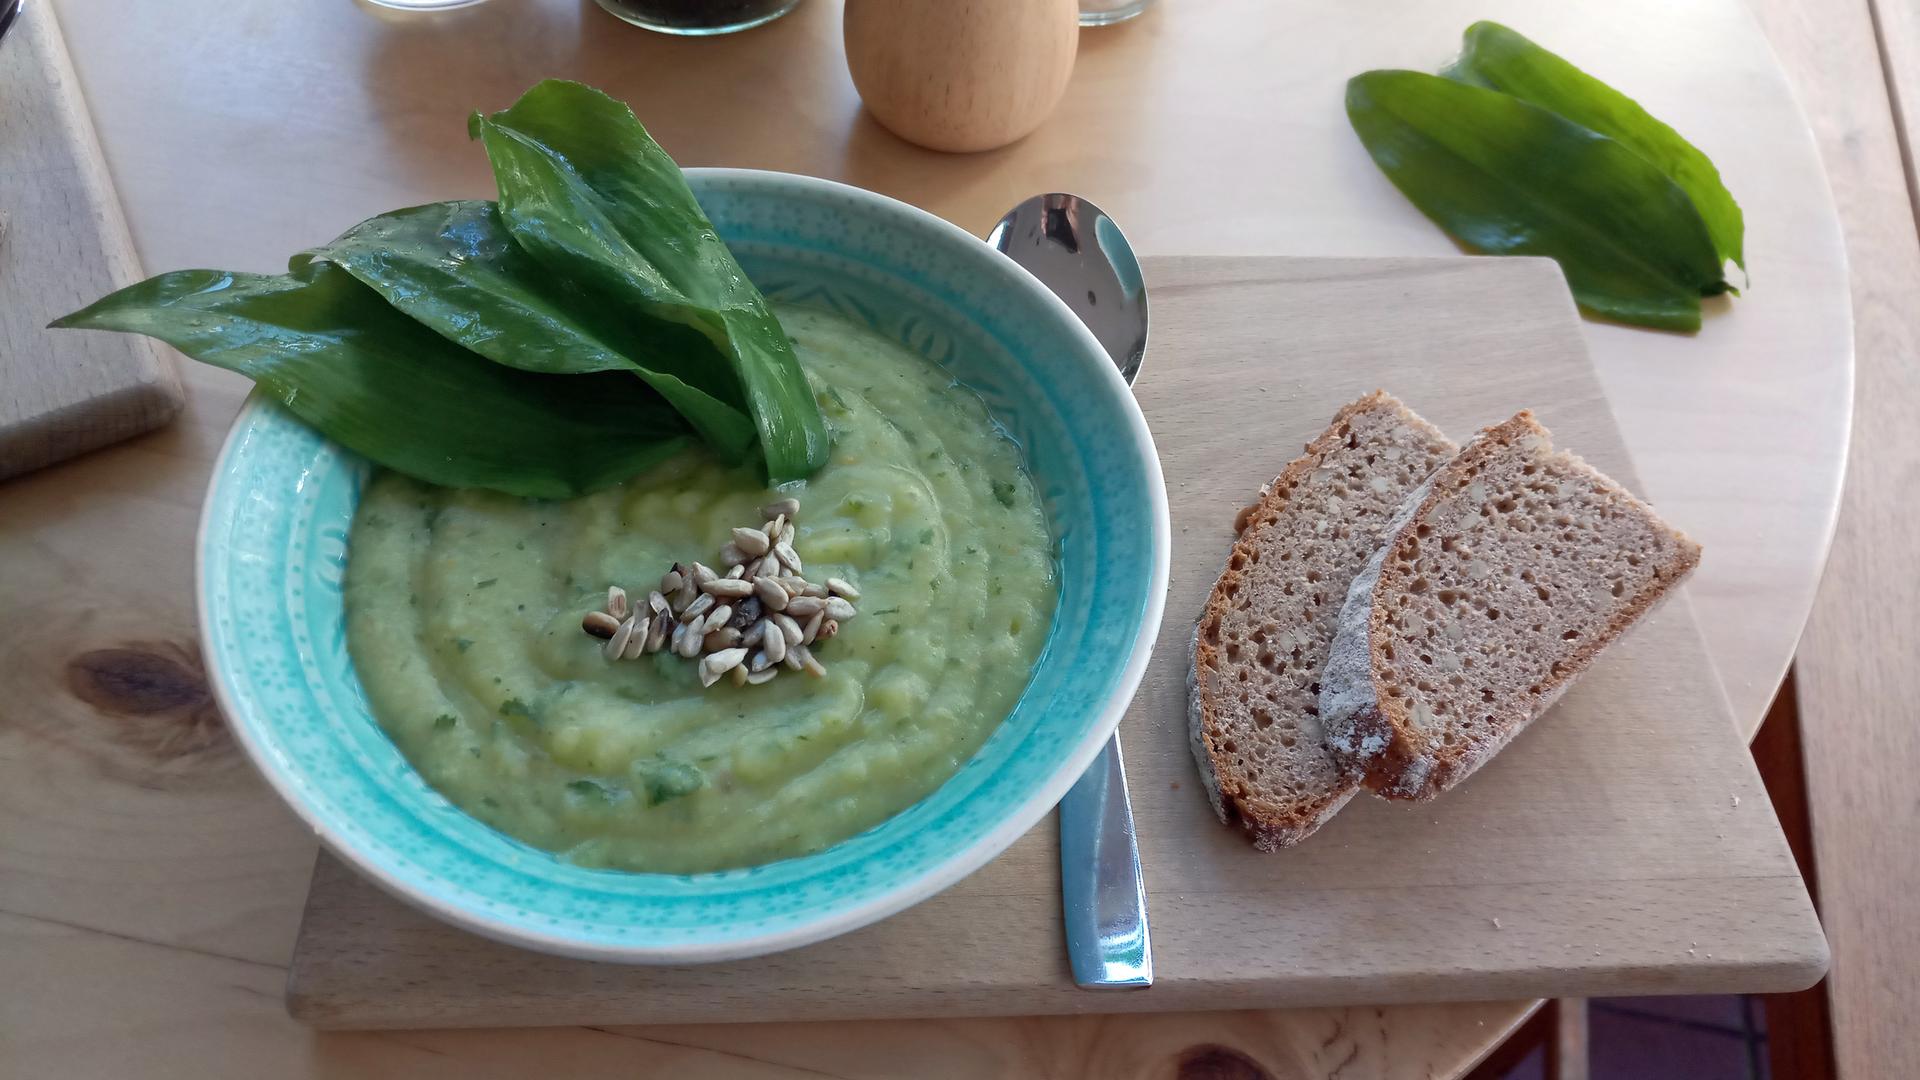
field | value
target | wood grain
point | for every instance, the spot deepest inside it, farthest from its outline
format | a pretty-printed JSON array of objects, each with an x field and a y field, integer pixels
[
  {"x": 63, "y": 244},
  {"x": 1858, "y": 685},
  {"x": 162, "y": 919},
  {"x": 1605, "y": 852}
]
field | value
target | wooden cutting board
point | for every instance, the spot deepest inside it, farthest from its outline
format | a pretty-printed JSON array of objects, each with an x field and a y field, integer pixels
[
  {"x": 1622, "y": 845},
  {"x": 63, "y": 244}
]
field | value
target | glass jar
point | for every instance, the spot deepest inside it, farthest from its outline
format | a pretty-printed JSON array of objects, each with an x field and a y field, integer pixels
[
  {"x": 698, "y": 17},
  {"x": 1107, "y": 12}
]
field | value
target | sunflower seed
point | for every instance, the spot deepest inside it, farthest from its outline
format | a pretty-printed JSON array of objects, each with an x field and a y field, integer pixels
[
  {"x": 759, "y": 661},
  {"x": 616, "y": 601},
  {"x": 838, "y": 608},
  {"x": 812, "y": 629},
  {"x": 789, "y": 628},
  {"x": 731, "y": 555},
  {"x": 807, "y": 663},
  {"x": 772, "y": 528},
  {"x": 724, "y": 638},
  {"x": 745, "y": 613},
  {"x": 599, "y": 624},
  {"x": 751, "y": 541},
  {"x": 716, "y": 618},
  {"x": 684, "y": 594},
  {"x": 663, "y": 625},
  {"x": 754, "y": 634},
  {"x": 788, "y": 507},
  {"x": 769, "y": 566},
  {"x": 617, "y": 644},
  {"x": 775, "y": 646},
  {"x": 738, "y": 673},
  {"x": 699, "y": 608},
  {"x": 799, "y": 586},
  {"x": 657, "y": 603},
  {"x": 637, "y": 644},
  {"x": 772, "y": 596},
  {"x": 787, "y": 555},
  {"x": 803, "y": 607},
  {"x": 840, "y": 587},
  {"x": 702, "y": 573},
  {"x": 829, "y": 628},
  {"x": 691, "y": 640},
  {"x": 718, "y": 664},
  {"x": 728, "y": 588},
  {"x": 764, "y": 675},
  {"x": 678, "y": 641},
  {"x": 670, "y": 581},
  {"x": 736, "y": 571}
]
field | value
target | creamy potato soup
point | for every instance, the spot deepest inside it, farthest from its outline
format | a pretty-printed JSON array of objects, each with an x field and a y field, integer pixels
[{"x": 464, "y": 613}]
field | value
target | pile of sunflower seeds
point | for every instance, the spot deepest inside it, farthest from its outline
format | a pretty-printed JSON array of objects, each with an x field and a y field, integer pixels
[{"x": 744, "y": 623}]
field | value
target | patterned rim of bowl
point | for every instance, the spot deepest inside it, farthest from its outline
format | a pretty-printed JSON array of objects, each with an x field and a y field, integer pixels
[{"x": 334, "y": 766}]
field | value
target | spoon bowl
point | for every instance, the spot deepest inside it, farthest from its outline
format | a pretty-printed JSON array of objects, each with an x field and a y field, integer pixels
[{"x": 1078, "y": 252}]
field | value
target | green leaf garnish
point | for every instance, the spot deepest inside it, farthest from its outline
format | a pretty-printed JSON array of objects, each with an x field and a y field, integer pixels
[
  {"x": 338, "y": 357},
  {"x": 1510, "y": 178},
  {"x": 453, "y": 267},
  {"x": 1501, "y": 59},
  {"x": 585, "y": 191},
  {"x": 561, "y": 340}
]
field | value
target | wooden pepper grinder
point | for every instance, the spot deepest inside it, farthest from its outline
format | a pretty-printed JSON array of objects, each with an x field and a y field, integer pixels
[{"x": 961, "y": 75}]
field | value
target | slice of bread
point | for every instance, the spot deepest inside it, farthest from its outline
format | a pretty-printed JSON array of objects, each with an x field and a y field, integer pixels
[
  {"x": 1503, "y": 578},
  {"x": 1253, "y": 702}
]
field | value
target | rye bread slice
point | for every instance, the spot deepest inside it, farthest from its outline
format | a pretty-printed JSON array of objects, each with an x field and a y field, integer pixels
[
  {"x": 1258, "y": 648},
  {"x": 1502, "y": 579}
]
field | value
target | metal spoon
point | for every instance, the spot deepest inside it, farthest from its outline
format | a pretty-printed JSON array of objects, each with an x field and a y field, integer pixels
[
  {"x": 1077, "y": 251},
  {"x": 8, "y": 10}
]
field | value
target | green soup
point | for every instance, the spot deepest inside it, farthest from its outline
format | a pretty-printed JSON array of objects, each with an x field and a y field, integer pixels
[{"x": 464, "y": 608}]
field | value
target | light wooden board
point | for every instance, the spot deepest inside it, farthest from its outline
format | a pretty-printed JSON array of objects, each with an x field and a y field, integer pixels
[
  {"x": 1859, "y": 689},
  {"x": 1622, "y": 846},
  {"x": 63, "y": 244}
]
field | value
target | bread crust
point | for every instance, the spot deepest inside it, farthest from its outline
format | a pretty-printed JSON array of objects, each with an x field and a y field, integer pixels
[
  {"x": 1226, "y": 791},
  {"x": 1371, "y": 732}
]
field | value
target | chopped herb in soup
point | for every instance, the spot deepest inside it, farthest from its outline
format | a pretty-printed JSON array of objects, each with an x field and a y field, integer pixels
[{"x": 464, "y": 619}]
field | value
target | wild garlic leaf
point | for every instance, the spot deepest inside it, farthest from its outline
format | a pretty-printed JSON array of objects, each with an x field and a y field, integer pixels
[
  {"x": 1501, "y": 59},
  {"x": 586, "y": 191},
  {"x": 1507, "y": 177},
  {"x": 453, "y": 267},
  {"x": 377, "y": 382}
]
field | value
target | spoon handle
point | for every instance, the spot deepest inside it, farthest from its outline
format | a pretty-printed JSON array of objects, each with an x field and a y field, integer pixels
[{"x": 1104, "y": 897}]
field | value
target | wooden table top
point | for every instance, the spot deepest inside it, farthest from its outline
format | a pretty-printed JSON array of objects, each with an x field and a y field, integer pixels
[{"x": 150, "y": 885}]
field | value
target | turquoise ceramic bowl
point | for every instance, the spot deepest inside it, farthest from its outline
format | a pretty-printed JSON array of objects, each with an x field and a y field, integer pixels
[{"x": 273, "y": 552}]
